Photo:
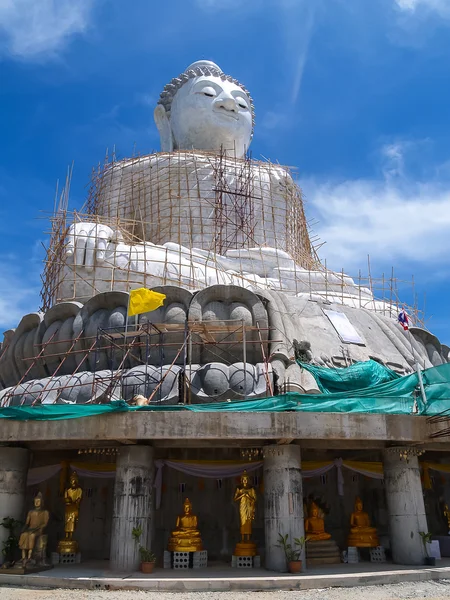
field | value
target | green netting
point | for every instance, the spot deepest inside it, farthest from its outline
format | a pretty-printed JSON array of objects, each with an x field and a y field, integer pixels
[
  {"x": 358, "y": 376},
  {"x": 398, "y": 396}
]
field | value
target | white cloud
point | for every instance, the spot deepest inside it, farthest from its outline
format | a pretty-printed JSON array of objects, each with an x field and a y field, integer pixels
[
  {"x": 19, "y": 290},
  {"x": 31, "y": 29},
  {"x": 441, "y": 7},
  {"x": 394, "y": 218}
]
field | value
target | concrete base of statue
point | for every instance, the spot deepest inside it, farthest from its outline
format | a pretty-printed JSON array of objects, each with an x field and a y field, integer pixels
[
  {"x": 363, "y": 540},
  {"x": 246, "y": 562},
  {"x": 245, "y": 549},
  {"x": 322, "y": 552},
  {"x": 185, "y": 560},
  {"x": 66, "y": 558},
  {"x": 19, "y": 569}
]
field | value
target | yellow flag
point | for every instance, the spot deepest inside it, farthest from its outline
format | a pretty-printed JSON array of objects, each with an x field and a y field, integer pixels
[{"x": 143, "y": 300}]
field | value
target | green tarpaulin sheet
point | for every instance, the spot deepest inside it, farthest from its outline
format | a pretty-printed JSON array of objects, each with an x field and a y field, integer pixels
[
  {"x": 358, "y": 376},
  {"x": 395, "y": 396}
]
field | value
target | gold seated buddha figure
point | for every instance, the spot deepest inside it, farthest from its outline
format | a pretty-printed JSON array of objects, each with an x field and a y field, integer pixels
[
  {"x": 314, "y": 525},
  {"x": 186, "y": 537},
  {"x": 362, "y": 535}
]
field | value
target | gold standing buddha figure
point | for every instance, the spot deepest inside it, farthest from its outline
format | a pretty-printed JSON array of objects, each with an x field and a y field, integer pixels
[
  {"x": 33, "y": 541},
  {"x": 72, "y": 500},
  {"x": 447, "y": 516},
  {"x": 362, "y": 535},
  {"x": 245, "y": 495},
  {"x": 186, "y": 537},
  {"x": 315, "y": 525}
]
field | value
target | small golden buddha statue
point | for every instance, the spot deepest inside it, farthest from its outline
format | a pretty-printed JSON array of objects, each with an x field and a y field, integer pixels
[
  {"x": 245, "y": 494},
  {"x": 315, "y": 525},
  {"x": 186, "y": 537},
  {"x": 362, "y": 535},
  {"x": 72, "y": 500},
  {"x": 33, "y": 541}
]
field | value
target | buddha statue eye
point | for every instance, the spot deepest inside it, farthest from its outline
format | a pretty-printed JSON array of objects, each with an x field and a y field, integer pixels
[
  {"x": 241, "y": 103},
  {"x": 209, "y": 91}
]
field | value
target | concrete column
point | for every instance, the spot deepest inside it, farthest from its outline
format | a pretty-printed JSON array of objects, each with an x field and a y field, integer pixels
[
  {"x": 283, "y": 501},
  {"x": 405, "y": 506},
  {"x": 13, "y": 485},
  {"x": 133, "y": 506}
]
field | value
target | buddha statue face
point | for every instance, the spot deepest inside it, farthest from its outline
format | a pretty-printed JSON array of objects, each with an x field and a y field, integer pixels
[
  {"x": 73, "y": 481},
  {"x": 187, "y": 507},
  {"x": 38, "y": 501},
  {"x": 314, "y": 511},
  {"x": 358, "y": 505},
  {"x": 245, "y": 481},
  {"x": 203, "y": 109}
]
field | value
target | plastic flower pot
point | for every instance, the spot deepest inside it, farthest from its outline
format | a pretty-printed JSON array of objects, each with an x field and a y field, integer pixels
[
  {"x": 295, "y": 566},
  {"x": 147, "y": 567}
]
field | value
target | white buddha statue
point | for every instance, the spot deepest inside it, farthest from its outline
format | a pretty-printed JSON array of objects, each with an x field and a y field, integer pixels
[{"x": 198, "y": 213}]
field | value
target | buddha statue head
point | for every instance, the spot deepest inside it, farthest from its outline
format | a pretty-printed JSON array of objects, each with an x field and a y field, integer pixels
[
  {"x": 204, "y": 109},
  {"x": 313, "y": 510},
  {"x": 187, "y": 507},
  {"x": 358, "y": 504},
  {"x": 74, "y": 480},
  {"x": 245, "y": 480},
  {"x": 38, "y": 501}
]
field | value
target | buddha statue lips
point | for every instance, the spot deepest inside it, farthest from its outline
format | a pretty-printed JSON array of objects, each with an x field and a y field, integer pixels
[
  {"x": 186, "y": 537},
  {"x": 315, "y": 526},
  {"x": 362, "y": 535}
]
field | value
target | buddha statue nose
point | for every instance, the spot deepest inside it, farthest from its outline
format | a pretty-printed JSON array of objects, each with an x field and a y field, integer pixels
[{"x": 227, "y": 102}]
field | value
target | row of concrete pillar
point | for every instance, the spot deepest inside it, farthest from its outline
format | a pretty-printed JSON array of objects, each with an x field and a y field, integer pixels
[{"x": 283, "y": 501}]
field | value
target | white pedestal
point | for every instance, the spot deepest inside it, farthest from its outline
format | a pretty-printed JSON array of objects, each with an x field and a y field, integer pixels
[
  {"x": 185, "y": 560},
  {"x": 65, "y": 559},
  {"x": 434, "y": 549},
  {"x": 377, "y": 555},
  {"x": 246, "y": 562},
  {"x": 352, "y": 555}
]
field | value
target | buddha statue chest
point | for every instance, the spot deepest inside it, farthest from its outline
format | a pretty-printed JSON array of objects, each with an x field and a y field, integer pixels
[{"x": 202, "y": 200}]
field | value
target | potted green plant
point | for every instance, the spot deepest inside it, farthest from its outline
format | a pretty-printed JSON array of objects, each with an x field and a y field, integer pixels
[
  {"x": 426, "y": 539},
  {"x": 148, "y": 559},
  {"x": 10, "y": 548},
  {"x": 292, "y": 553}
]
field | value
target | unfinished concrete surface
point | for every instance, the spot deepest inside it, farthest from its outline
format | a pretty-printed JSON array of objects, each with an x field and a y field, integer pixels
[
  {"x": 133, "y": 506},
  {"x": 283, "y": 501},
  {"x": 222, "y": 578},
  {"x": 225, "y": 427},
  {"x": 13, "y": 480},
  {"x": 405, "y": 505}
]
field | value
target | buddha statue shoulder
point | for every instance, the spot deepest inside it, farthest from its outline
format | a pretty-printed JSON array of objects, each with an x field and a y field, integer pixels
[
  {"x": 315, "y": 525},
  {"x": 205, "y": 120},
  {"x": 186, "y": 537},
  {"x": 362, "y": 535}
]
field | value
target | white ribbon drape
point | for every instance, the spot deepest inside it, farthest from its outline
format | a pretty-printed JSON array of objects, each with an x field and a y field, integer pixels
[
  {"x": 94, "y": 474},
  {"x": 208, "y": 471},
  {"x": 337, "y": 463},
  {"x": 39, "y": 474}
]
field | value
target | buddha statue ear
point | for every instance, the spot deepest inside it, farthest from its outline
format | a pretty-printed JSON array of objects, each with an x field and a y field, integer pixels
[{"x": 163, "y": 125}]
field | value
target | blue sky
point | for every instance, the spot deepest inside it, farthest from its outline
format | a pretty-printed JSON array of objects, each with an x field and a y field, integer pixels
[{"x": 354, "y": 93}]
